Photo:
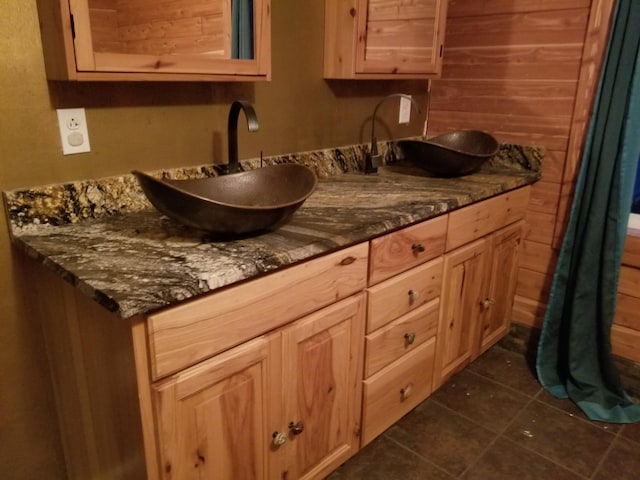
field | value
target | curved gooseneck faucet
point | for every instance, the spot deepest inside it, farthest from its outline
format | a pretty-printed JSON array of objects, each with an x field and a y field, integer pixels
[
  {"x": 232, "y": 130},
  {"x": 373, "y": 160}
]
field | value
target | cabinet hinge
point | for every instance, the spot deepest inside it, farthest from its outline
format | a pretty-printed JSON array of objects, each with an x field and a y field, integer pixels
[{"x": 73, "y": 27}]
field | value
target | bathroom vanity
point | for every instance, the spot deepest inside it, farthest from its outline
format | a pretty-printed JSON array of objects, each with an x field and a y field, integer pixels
[{"x": 279, "y": 356}]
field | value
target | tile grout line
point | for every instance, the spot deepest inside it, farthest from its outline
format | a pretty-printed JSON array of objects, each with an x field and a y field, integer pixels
[
  {"x": 534, "y": 398},
  {"x": 606, "y": 453},
  {"x": 413, "y": 452},
  {"x": 495, "y": 439}
]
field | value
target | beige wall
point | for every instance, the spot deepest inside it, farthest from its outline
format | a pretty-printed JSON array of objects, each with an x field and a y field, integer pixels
[{"x": 144, "y": 126}]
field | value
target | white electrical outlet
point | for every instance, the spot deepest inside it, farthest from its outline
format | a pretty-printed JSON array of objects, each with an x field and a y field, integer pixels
[
  {"x": 405, "y": 110},
  {"x": 74, "y": 133}
]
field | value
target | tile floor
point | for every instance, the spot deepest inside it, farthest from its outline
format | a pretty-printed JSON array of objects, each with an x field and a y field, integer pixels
[{"x": 492, "y": 422}]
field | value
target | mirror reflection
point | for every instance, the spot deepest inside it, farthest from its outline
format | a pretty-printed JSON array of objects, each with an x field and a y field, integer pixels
[{"x": 218, "y": 28}]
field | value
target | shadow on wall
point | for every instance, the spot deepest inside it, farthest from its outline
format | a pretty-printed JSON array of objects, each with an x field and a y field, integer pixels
[{"x": 143, "y": 94}]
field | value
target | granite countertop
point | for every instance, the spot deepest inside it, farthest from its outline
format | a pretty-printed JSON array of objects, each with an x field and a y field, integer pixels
[{"x": 105, "y": 238}]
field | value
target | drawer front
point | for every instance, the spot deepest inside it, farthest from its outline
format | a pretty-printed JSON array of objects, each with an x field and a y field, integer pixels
[
  {"x": 477, "y": 220},
  {"x": 182, "y": 336},
  {"x": 389, "y": 343},
  {"x": 406, "y": 248},
  {"x": 403, "y": 293},
  {"x": 396, "y": 389}
]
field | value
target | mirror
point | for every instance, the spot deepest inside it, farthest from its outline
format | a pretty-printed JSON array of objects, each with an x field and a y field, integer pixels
[{"x": 222, "y": 29}]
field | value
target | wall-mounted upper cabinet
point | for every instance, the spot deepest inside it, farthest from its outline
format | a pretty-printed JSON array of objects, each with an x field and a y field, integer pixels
[
  {"x": 200, "y": 40},
  {"x": 384, "y": 39}
]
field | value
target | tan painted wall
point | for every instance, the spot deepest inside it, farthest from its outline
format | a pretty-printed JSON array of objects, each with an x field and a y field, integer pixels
[{"x": 145, "y": 126}]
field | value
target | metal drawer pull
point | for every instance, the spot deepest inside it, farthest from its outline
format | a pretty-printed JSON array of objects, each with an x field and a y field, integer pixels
[
  {"x": 417, "y": 248},
  {"x": 410, "y": 338},
  {"x": 296, "y": 428},
  {"x": 405, "y": 392}
]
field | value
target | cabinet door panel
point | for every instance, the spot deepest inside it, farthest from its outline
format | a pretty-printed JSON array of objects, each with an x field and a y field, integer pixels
[
  {"x": 502, "y": 273},
  {"x": 153, "y": 40},
  {"x": 399, "y": 37},
  {"x": 464, "y": 287},
  {"x": 213, "y": 418},
  {"x": 324, "y": 353}
]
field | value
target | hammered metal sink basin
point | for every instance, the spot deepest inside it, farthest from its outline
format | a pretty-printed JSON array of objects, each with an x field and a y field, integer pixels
[
  {"x": 452, "y": 154},
  {"x": 237, "y": 204}
]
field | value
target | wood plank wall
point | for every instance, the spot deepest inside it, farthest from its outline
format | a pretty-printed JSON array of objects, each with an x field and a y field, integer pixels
[
  {"x": 526, "y": 71},
  {"x": 512, "y": 68}
]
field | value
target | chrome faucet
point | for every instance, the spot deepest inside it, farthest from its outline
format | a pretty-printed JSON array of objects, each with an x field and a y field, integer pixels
[
  {"x": 373, "y": 159},
  {"x": 232, "y": 130}
]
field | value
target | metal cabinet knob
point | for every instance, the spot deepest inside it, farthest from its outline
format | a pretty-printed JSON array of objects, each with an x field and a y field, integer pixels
[
  {"x": 487, "y": 302},
  {"x": 417, "y": 248},
  {"x": 278, "y": 439},
  {"x": 413, "y": 295},
  {"x": 296, "y": 428},
  {"x": 410, "y": 338}
]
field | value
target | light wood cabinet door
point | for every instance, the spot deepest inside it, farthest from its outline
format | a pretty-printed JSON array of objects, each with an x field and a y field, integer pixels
[
  {"x": 464, "y": 285},
  {"x": 215, "y": 420},
  {"x": 502, "y": 271},
  {"x": 154, "y": 40},
  {"x": 381, "y": 39},
  {"x": 323, "y": 386}
]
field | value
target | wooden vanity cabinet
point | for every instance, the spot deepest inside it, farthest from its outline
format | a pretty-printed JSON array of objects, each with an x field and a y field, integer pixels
[
  {"x": 284, "y": 405},
  {"x": 384, "y": 39},
  {"x": 286, "y": 375},
  {"x": 181, "y": 40},
  {"x": 479, "y": 280}
]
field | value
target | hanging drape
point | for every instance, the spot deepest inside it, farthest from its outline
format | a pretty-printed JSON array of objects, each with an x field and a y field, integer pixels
[
  {"x": 242, "y": 29},
  {"x": 574, "y": 353}
]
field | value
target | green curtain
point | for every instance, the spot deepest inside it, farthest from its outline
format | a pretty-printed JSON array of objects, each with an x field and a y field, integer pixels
[
  {"x": 242, "y": 29},
  {"x": 574, "y": 353}
]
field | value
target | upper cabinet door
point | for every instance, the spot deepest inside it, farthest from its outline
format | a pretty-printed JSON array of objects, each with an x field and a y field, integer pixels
[
  {"x": 156, "y": 39},
  {"x": 384, "y": 39}
]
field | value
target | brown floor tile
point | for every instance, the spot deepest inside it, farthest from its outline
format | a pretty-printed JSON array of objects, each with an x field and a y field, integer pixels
[
  {"x": 383, "y": 459},
  {"x": 632, "y": 431},
  {"x": 571, "y": 408},
  {"x": 507, "y": 461},
  {"x": 622, "y": 462},
  {"x": 441, "y": 436},
  {"x": 560, "y": 437},
  {"x": 508, "y": 368},
  {"x": 485, "y": 402}
]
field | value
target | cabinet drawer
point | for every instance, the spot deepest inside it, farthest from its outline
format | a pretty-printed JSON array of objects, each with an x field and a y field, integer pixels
[
  {"x": 403, "y": 335},
  {"x": 403, "y": 293},
  {"x": 406, "y": 248},
  {"x": 396, "y": 389},
  {"x": 477, "y": 220},
  {"x": 183, "y": 335}
]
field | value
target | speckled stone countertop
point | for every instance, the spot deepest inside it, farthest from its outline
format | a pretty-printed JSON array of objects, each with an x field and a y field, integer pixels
[{"x": 105, "y": 238}]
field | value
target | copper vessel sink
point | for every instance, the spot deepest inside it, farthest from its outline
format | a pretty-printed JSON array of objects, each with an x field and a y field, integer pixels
[
  {"x": 238, "y": 204},
  {"x": 451, "y": 155}
]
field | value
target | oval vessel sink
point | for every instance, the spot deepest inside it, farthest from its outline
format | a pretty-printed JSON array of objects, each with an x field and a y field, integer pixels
[
  {"x": 236, "y": 204},
  {"x": 451, "y": 155}
]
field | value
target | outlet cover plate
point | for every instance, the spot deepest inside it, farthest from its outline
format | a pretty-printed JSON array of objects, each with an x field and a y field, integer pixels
[
  {"x": 405, "y": 110},
  {"x": 74, "y": 133}
]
